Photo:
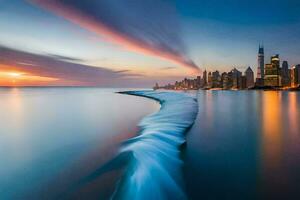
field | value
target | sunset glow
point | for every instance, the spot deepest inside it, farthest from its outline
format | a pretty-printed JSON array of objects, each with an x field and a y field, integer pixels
[
  {"x": 150, "y": 99},
  {"x": 8, "y": 78},
  {"x": 14, "y": 74},
  {"x": 138, "y": 43}
]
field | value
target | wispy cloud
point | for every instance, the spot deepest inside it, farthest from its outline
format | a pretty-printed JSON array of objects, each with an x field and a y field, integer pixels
[
  {"x": 123, "y": 71},
  {"x": 168, "y": 68},
  {"x": 148, "y": 27},
  {"x": 64, "y": 72},
  {"x": 66, "y": 58}
]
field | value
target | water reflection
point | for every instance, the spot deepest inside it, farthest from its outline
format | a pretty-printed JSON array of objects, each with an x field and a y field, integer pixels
[
  {"x": 294, "y": 116},
  {"x": 208, "y": 113},
  {"x": 245, "y": 145},
  {"x": 271, "y": 130},
  {"x": 52, "y": 137},
  {"x": 14, "y": 108},
  {"x": 280, "y": 144},
  {"x": 272, "y": 139}
]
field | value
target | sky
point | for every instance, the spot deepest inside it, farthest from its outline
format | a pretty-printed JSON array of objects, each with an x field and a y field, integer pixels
[{"x": 136, "y": 43}]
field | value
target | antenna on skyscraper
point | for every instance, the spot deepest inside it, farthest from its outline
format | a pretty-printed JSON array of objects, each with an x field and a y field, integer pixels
[{"x": 261, "y": 44}]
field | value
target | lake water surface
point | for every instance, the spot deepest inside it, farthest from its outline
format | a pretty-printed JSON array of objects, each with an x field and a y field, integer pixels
[
  {"x": 244, "y": 145},
  {"x": 52, "y": 137}
]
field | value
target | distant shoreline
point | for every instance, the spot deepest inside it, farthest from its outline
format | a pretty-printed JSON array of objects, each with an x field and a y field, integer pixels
[
  {"x": 57, "y": 87},
  {"x": 250, "y": 89}
]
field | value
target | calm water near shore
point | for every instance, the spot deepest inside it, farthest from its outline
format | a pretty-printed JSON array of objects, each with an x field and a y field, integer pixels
[
  {"x": 244, "y": 145},
  {"x": 52, "y": 137}
]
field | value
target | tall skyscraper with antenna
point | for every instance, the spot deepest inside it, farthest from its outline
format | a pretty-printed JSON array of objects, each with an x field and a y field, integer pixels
[
  {"x": 261, "y": 63},
  {"x": 260, "y": 67}
]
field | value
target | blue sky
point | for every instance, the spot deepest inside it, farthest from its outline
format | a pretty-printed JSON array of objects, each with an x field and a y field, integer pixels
[
  {"x": 148, "y": 41},
  {"x": 227, "y": 33}
]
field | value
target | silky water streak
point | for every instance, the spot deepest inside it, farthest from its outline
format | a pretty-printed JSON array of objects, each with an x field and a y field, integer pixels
[{"x": 154, "y": 168}]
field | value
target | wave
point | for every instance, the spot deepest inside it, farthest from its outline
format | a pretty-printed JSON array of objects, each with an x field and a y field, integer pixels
[{"x": 154, "y": 166}]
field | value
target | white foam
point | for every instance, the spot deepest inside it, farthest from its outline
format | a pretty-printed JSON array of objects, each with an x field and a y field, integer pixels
[{"x": 154, "y": 171}]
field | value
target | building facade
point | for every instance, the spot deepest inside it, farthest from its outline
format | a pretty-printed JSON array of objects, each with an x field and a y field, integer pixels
[
  {"x": 249, "y": 78},
  {"x": 236, "y": 78},
  {"x": 260, "y": 66},
  {"x": 272, "y": 76},
  {"x": 216, "y": 79},
  {"x": 285, "y": 74},
  {"x": 295, "y": 76},
  {"x": 209, "y": 80},
  {"x": 205, "y": 78}
]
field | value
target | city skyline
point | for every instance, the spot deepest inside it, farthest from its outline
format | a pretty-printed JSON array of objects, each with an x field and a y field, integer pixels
[
  {"x": 275, "y": 74},
  {"x": 149, "y": 99},
  {"x": 138, "y": 48}
]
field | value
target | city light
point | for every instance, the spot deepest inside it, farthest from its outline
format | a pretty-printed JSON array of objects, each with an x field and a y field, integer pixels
[{"x": 270, "y": 76}]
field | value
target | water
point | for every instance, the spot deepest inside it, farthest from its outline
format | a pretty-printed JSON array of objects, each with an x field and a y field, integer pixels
[
  {"x": 51, "y": 138},
  {"x": 155, "y": 166},
  {"x": 65, "y": 143},
  {"x": 244, "y": 145}
]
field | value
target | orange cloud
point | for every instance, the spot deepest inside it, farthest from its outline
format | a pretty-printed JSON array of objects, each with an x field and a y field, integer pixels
[
  {"x": 11, "y": 77},
  {"x": 124, "y": 40},
  {"x": 19, "y": 68}
]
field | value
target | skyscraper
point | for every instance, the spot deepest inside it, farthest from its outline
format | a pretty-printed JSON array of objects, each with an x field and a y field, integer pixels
[
  {"x": 272, "y": 77},
  {"x": 198, "y": 82},
  {"x": 242, "y": 83},
  {"x": 285, "y": 74},
  {"x": 260, "y": 66},
  {"x": 205, "y": 78},
  {"x": 216, "y": 79},
  {"x": 295, "y": 76},
  {"x": 225, "y": 80},
  {"x": 236, "y": 78},
  {"x": 249, "y": 78},
  {"x": 209, "y": 80},
  {"x": 261, "y": 62}
]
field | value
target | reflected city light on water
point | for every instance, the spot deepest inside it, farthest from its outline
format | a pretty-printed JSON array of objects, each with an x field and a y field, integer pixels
[
  {"x": 271, "y": 128},
  {"x": 280, "y": 142},
  {"x": 271, "y": 137},
  {"x": 207, "y": 99},
  {"x": 248, "y": 149},
  {"x": 294, "y": 115}
]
